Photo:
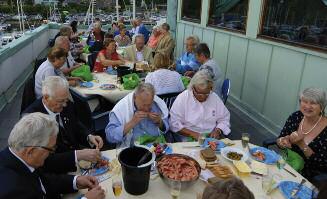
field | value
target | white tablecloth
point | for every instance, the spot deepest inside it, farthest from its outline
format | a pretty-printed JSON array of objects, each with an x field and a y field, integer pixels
[
  {"x": 157, "y": 189},
  {"x": 104, "y": 78}
]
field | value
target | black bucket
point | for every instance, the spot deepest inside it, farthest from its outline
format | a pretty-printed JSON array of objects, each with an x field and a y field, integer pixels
[
  {"x": 123, "y": 70},
  {"x": 135, "y": 178}
]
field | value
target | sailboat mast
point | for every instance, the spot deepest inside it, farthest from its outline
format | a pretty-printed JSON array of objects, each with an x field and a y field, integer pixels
[
  {"x": 134, "y": 10},
  {"x": 117, "y": 10},
  {"x": 18, "y": 13},
  {"x": 22, "y": 15}
]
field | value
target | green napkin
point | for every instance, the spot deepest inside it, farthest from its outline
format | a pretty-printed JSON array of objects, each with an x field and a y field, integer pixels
[{"x": 146, "y": 139}]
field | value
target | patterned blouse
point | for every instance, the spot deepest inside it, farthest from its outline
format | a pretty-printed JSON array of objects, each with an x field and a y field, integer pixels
[{"x": 317, "y": 163}]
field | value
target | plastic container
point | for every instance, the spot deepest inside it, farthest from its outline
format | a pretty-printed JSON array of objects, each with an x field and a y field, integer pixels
[{"x": 135, "y": 178}]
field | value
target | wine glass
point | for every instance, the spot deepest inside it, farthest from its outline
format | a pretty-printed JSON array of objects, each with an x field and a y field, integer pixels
[
  {"x": 175, "y": 189},
  {"x": 117, "y": 185}
]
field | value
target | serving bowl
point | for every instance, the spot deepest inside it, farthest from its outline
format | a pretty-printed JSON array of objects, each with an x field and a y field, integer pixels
[{"x": 184, "y": 184}]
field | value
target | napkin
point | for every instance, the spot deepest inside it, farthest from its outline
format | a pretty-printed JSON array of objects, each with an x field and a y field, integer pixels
[{"x": 259, "y": 167}]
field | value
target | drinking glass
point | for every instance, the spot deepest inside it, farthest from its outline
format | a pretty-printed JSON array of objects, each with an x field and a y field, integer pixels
[
  {"x": 282, "y": 160},
  {"x": 245, "y": 140},
  {"x": 201, "y": 138},
  {"x": 175, "y": 189},
  {"x": 117, "y": 185},
  {"x": 266, "y": 183}
]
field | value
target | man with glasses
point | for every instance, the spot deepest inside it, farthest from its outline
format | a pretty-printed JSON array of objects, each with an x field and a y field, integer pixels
[
  {"x": 73, "y": 136},
  {"x": 202, "y": 54},
  {"x": 198, "y": 110},
  {"x": 30, "y": 142}
]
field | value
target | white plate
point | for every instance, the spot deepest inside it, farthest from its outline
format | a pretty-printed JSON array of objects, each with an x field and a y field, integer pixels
[{"x": 226, "y": 150}]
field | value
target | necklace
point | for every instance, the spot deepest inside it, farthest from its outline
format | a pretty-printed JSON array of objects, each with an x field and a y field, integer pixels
[{"x": 314, "y": 126}]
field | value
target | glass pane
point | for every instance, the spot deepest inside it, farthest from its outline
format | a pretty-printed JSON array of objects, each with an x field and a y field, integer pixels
[
  {"x": 191, "y": 10},
  {"x": 297, "y": 21},
  {"x": 230, "y": 14}
]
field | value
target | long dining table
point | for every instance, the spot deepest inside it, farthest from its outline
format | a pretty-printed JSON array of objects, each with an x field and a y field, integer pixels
[{"x": 158, "y": 189}]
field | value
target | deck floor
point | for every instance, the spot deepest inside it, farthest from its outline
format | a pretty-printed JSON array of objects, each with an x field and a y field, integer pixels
[{"x": 240, "y": 123}]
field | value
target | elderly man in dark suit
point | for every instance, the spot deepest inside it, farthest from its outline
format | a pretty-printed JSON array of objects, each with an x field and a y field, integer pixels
[
  {"x": 73, "y": 137},
  {"x": 30, "y": 142}
]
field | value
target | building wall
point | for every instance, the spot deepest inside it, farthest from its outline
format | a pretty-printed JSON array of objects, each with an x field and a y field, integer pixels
[{"x": 266, "y": 76}]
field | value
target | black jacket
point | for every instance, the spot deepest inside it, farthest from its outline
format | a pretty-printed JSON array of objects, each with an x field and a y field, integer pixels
[
  {"x": 74, "y": 134},
  {"x": 17, "y": 181}
]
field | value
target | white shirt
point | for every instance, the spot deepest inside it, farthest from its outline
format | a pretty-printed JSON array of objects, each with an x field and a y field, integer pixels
[
  {"x": 202, "y": 117},
  {"x": 165, "y": 81},
  {"x": 70, "y": 60},
  {"x": 139, "y": 55},
  {"x": 46, "y": 69}
]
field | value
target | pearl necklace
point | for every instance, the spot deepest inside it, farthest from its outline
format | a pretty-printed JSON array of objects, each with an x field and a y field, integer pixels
[{"x": 314, "y": 126}]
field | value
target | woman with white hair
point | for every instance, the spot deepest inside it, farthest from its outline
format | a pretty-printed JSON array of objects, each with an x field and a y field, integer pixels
[
  {"x": 188, "y": 62},
  {"x": 305, "y": 132},
  {"x": 198, "y": 110},
  {"x": 154, "y": 38}
]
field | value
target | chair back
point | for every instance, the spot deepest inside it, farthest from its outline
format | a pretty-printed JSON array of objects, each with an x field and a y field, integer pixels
[
  {"x": 91, "y": 59},
  {"x": 225, "y": 88},
  {"x": 28, "y": 94},
  {"x": 169, "y": 98},
  {"x": 37, "y": 64}
]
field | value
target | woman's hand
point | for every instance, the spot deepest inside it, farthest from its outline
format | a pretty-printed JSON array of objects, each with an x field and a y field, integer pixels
[
  {"x": 284, "y": 142},
  {"x": 296, "y": 137}
]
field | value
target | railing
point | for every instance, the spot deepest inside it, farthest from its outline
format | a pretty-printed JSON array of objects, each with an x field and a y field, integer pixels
[{"x": 16, "y": 60}]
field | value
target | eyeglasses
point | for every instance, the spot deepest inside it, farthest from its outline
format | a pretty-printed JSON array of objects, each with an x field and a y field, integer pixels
[
  {"x": 51, "y": 150},
  {"x": 201, "y": 94}
]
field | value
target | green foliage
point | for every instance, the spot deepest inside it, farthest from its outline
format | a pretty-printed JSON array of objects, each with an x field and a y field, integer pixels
[{"x": 5, "y": 9}]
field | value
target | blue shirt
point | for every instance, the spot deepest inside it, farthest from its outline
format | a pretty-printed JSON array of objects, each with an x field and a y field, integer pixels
[
  {"x": 187, "y": 62},
  {"x": 114, "y": 129}
]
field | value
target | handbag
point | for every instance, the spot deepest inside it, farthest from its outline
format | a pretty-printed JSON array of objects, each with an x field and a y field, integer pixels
[
  {"x": 294, "y": 159},
  {"x": 131, "y": 81},
  {"x": 83, "y": 72}
]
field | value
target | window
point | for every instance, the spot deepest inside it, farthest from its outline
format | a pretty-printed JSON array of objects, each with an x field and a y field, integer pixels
[
  {"x": 191, "y": 10},
  {"x": 298, "y": 22},
  {"x": 229, "y": 14}
]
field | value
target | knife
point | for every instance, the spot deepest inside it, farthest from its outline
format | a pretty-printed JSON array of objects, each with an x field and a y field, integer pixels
[
  {"x": 195, "y": 146},
  {"x": 297, "y": 189},
  {"x": 288, "y": 171}
]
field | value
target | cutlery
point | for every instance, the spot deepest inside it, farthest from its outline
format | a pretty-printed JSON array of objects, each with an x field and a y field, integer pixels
[
  {"x": 288, "y": 171},
  {"x": 85, "y": 172},
  {"x": 195, "y": 146},
  {"x": 297, "y": 189}
]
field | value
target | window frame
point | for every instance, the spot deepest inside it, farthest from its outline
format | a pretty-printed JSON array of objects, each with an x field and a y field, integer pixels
[
  {"x": 282, "y": 41},
  {"x": 243, "y": 32},
  {"x": 197, "y": 21}
]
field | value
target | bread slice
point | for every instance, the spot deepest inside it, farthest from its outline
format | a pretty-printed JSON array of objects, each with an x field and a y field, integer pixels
[{"x": 208, "y": 155}]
